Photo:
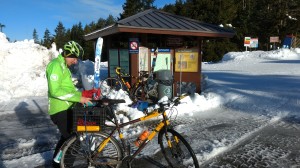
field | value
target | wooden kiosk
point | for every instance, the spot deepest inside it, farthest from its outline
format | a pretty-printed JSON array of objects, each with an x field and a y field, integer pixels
[{"x": 131, "y": 42}]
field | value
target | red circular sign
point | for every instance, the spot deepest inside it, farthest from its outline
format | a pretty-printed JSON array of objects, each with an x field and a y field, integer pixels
[{"x": 133, "y": 45}]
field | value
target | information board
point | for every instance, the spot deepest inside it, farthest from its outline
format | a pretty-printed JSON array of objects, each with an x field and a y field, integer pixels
[
  {"x": 143, "y": 59},
  {"x": 186, "y": 60},
  {"x": 163, "y": 59}
]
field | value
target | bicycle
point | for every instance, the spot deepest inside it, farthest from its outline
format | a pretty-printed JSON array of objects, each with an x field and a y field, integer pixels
[
  {"x": 143, "y": 89},
  {"x": 99, "y": 149}
]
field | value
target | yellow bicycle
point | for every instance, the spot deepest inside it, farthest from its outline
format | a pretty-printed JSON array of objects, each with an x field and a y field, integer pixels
[{"x": 98, "y": 147}]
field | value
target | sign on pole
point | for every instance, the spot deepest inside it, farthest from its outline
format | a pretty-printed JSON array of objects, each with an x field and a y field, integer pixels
[
  {"x": 247, "y": 42},
  {"x": 254, "y": 43},
  {"x": 274, "y": 39}
]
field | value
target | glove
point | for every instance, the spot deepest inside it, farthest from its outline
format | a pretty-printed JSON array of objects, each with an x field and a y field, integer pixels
[
  {"x": 90, "y": 93},
  {"x": 97, "y": 94}
]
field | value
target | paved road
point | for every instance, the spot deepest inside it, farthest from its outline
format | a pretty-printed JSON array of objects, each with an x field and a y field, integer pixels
[{"x": 275, "y": 146}]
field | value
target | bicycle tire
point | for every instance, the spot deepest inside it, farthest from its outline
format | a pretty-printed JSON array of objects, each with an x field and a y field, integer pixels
[
  {"x": 148, "y": 93},
  {"x": 139, "y": 91},
  {"x": 76, "y": 153},
  {"x": 180, "y": 155},
  {"x": 109, "y": 85}
]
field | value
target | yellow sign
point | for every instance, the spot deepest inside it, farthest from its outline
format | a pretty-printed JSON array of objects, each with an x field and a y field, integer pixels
[{"x": 186, "y": 60}]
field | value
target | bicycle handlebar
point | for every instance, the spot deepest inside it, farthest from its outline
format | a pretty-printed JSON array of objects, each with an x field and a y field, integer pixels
[
  {"x": 121, "y": 72},
  {"x": 177, "y": 100},
  {"x": 118, "y": 70},
  {"x": 163, "y": 105}
]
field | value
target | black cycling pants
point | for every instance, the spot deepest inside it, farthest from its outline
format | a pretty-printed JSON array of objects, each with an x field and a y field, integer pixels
[{"x": 63, "y": 121}]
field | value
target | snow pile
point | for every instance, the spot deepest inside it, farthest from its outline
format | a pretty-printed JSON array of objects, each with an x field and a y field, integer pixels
[
  {"x": 280, "y": 54},
  {"x": 23, "y": 68},
  {"x": 3, "y": 39}
]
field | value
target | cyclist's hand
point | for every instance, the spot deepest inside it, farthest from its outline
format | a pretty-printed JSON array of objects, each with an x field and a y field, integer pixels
[{"x": 85, "y": 101}]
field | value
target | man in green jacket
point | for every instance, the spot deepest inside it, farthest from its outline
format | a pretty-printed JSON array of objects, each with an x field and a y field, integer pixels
[{"x": 62, "y": 93}]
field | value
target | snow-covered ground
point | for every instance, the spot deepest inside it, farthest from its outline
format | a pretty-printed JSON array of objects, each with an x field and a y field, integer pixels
[{"x": 247, "y": 115}]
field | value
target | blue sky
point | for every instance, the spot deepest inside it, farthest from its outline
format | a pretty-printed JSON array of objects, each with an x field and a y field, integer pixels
[{"x": 20, "y": 17}]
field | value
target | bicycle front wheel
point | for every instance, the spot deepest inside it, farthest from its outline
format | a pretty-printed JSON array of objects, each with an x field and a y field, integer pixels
[
  {"x": 177, "y": 150},
  {"x": 109, "y": 85},
  {"x": 81, "y": 151}
]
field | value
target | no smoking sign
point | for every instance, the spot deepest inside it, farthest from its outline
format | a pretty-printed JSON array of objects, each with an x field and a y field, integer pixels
[{"x": 133, "y": 45}]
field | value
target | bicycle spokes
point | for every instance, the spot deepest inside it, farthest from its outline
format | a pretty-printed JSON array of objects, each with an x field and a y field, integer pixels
[
  {"x": 176, "y": 150},
  {"x": 174, "y": 146}
]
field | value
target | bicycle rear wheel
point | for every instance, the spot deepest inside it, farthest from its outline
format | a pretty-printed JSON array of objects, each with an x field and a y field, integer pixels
[
  {"x": 140, "y": 93},
  {"x": 178, "y": 153},
  {"x": 109, "y": 85},
  {"x": 81, "y": 151}
]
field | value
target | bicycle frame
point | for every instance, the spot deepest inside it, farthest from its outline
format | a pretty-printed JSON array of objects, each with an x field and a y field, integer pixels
[
  {"x": 130, "y": 90},
  {"x": 162, "y": 124}
]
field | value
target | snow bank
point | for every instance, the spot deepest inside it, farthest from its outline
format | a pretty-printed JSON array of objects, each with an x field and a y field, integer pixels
[
  {"x": 23, "y": 65},
  {"x": 23, "y": 68},
  {"x": 281, "y": 54}
]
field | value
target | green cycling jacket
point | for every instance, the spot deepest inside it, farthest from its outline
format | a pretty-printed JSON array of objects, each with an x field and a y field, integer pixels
[{"x": 61, "y": 91}]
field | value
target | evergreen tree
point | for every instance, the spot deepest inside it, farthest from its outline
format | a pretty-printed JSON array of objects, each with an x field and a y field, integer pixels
[
  {"x": 170, "y": 8},
  {"x": 35, "y": 36},
  {"x": 263, "y": 19},
  {"x": 179, "y": 8},
  {"x": 60, "y": 37},
  {"x": 147, "y": 4},
  {"x": 132, "y": 7},
  {"x": 110, "y": 20},
  {"x": 101, "y": 23},
  {"x": 89, "y": 28},
  {"x": 89, "y": 45},
  {"x": 47, "y": 39},
  {"x": 77, "y": 33}
]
